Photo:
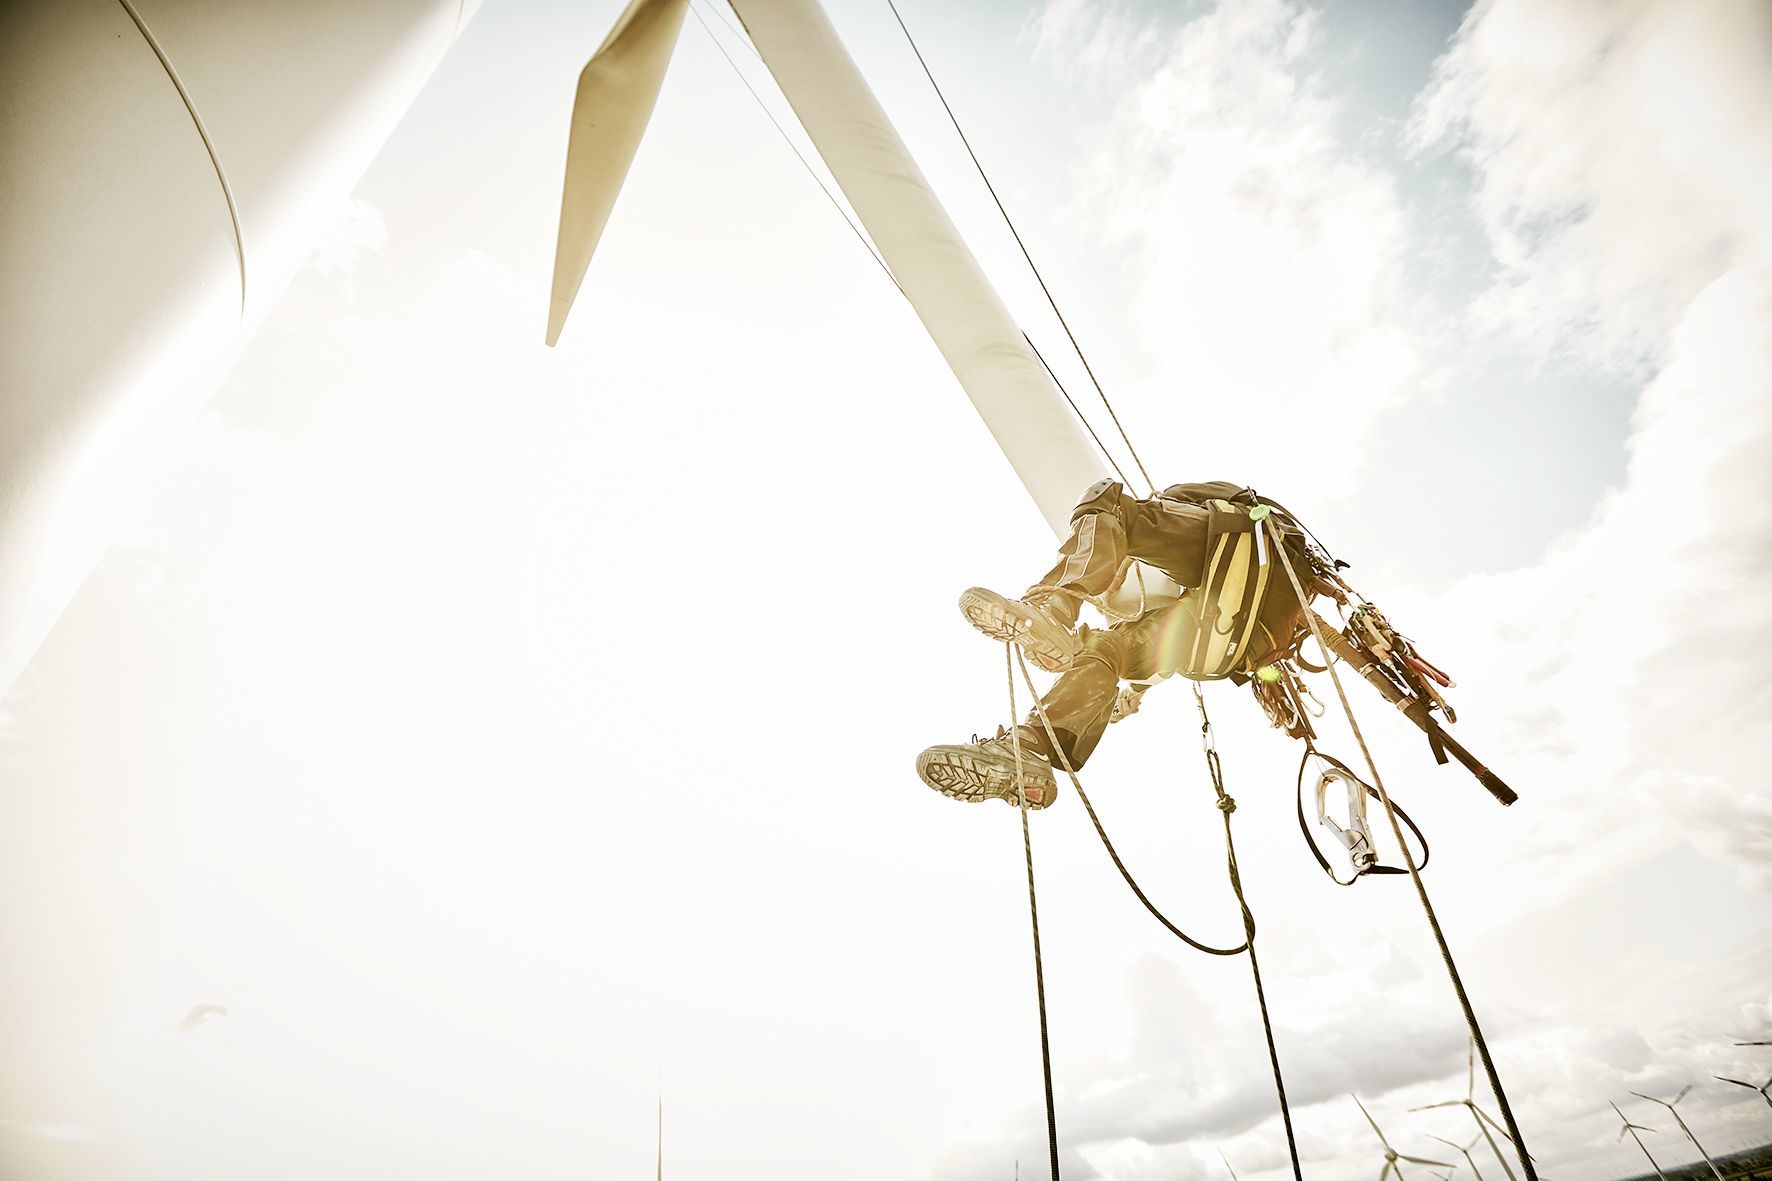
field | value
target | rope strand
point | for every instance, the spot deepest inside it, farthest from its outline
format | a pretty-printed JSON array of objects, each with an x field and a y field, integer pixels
[
  {"x": 1027, "y": 845},
  {"x": 1427, "y": 905},
  {"x": 1038, "y": 277},
  {"x": 794, "y": 148},
  {"x": 1137, "y": 890},
  {"x": 1226, "y": 806}
]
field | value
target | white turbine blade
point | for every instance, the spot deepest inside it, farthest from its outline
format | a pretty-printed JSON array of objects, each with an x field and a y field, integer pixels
[
  {"x": 1651, "y": 1098},
  {"x": 1682, "y": 1094},
  {"x": 616, "y": 93},
  {"x": 964, "y": 315},
  {"x": 1417, "y": 1160},
  {"x": 1736, "y": 1081},
  {"x": 1448, "y": 1103},
  {"x": 1374, "y": 1123},
  {"x": 1490, "y": 1120}
]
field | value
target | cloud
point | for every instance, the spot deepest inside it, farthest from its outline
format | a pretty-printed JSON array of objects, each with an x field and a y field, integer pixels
[
  {"x": 1266, "y": 259},
  {"x": 1621, "y": 162}
]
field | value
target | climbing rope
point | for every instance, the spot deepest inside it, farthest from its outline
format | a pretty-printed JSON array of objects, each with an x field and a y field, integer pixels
[
  {"x": 1427, "y": 905},
  {"x": 1226, "y": 806},
  {"x": 1100, "y": 831},
  {"x": 1027, "y": 846}
]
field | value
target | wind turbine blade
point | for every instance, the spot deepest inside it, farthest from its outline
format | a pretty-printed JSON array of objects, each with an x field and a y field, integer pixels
[
  {"x": 960, "y": 309},
  {"x": 1490, "y": 1120},
  {"x": 1736, "y": 1081},
  {"x": 1651, "y": 1098},
  {"x": 1431, "y": 1106},
  {"x": 1682, "y": 1094},
  {"x": 616, "y": 93},
  {"x": 1374, "y": 1124},
  {"x": 1417, "y": 1160}
]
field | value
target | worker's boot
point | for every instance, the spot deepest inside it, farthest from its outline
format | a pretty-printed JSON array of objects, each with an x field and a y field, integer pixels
[
  {"x": 985, "y": 770},
  {"x": 1042, "y": 624}
]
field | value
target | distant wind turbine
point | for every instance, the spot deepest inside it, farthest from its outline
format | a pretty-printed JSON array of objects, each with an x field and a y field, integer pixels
[
  {"x": 1633, "y": 1129},
  {"x": 1464, "y": 1149},
  {"x": 1391, "y": 1155},
  {"x": 1751, "y": 1087},
  {"x": 1227, "y": 1164},
  {"x": 1478, "y": 1115},
  {"x": 1683, "y": 1127}
]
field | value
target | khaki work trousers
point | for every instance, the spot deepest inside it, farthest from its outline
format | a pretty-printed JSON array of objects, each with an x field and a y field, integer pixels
[{"x": 1108, "y": 527}]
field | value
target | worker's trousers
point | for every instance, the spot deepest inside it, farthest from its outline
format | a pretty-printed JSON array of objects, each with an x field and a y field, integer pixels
[{"x": 1108, "y": 527}]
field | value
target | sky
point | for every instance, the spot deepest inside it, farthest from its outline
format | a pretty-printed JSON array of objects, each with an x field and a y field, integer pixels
[{"x": 467, "y": 741}]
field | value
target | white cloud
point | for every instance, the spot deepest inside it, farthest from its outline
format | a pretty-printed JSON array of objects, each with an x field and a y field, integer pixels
[
  {"x": 1266, "y": 259},
  {"x": 1622, "y": 161}
]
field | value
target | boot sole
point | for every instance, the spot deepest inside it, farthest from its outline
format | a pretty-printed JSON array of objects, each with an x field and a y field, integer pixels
[
  {"x": 958, "y": 773},
  {"x": 1008, "y": 622}
]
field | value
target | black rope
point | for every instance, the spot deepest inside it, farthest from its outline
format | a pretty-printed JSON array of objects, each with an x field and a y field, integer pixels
[
  {"x": 1027, "y": 845},
  {"x": 1137, "y": 890},
  {"x": 1010, "y": 222},
  {"x": 1427, "y": 906},
  {"x": 1226, "y": 806},
  {"x": 1311, "y": 752}
]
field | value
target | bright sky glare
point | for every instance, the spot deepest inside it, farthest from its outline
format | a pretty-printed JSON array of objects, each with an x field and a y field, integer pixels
[{"x": 477, "y": 734}]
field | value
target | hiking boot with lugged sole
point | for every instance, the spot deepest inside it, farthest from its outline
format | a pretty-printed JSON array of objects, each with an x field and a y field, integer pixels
[
  {"x": 985, "y": 770},
  {"x": 1051, "y": 644}
]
